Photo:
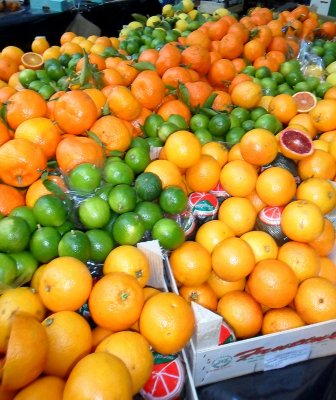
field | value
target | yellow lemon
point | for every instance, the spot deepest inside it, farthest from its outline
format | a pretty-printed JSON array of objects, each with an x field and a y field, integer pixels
[{"x": 153, "y": 21}]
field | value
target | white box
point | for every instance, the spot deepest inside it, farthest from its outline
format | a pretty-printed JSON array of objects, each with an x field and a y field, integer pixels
[{"x": 320, "y": 6}]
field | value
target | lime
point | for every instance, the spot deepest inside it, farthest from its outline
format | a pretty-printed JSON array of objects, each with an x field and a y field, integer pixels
[
  {"x": 270, "y": 92},
  {"x": 148, "y": 186},
  {"x": 257, "y": 112},
  {"x": 263, "y": 72},
  {"x": 139, "y": 142},
  {"x": 149, "y": 213},
  {"x": 173, "y": 200},
  {"x": 76, "y": 244},
  {"x": 85, "y": 178},
  {"x": 166, "y": 129},
  {"x": 287, "y": 67},
  {"x": 118, "y": 172},
  {"x": 294, "y": 77},
  {"x": 312, "y": 82},
  {"x": 322, "y": 88},
  {"x": 249, "y": 70},
  {"x": 203, "y": 135},
  {"x": 35, "y": 85},
  {"x": 94, "y": 212},
  {"x": 14, "y": 234},
  {"x": 27, "y": 214},
  {"x": 64, "y": 59},
  {"x": 101, "y": 244},
  {"x": 55, "y": 71},
  {"x": 49, "y": 210},
  {"x": 178, "y": 120},
  {"x": 248, "y": 125},
  {"x": 267, "y": 121},
  {"x": 199, "y": 121},
  {"x": 66, "y": 227},
  {"x": 268, "y": 83},
  {"x": 234, "y": 121},
  {"x": 154, "y": 141},
  {"x": 26, "y": 264},
  {"x": 122, "y": 198},
  {"x": 44, "y": 243},
  {"x": 27, "y": 76},
  {"x": 159, "y": 33},
  {"x": 169, "y": 233},
  {"x": 285, "y": 88},
  {"x": 63, "y": 83},
  {"x": 219, "y": 124},
  {"x": 234, "y": 135},
  {"x": 301, "y": 87},
  {"x": 7, "y": 269},
  {"x": 241, "y": 113},
  {"x": 42, "y": 75},
  {"x": 128, "y": 228},
  {"x": 46, "y": 91},
  {"x": 278, "y": 77},
  {"x": 137, "y": 158},
  {"x": 318, "y": 50}
]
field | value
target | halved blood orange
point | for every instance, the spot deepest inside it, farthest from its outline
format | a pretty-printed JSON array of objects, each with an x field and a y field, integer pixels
[
  {"x": 305, "y": 101},
  {"x": 295, "y": 144}
]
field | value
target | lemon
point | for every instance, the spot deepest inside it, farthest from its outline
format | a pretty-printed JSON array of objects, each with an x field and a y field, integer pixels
[
  {"x": 181, "y": 25},
  {"x": 168, "y": 10},
  {"x": 221, "y": 12},
  {"x": 332, "y": 78},
  {"x": 123, "y": 33},
  {"x": 134, "y": 25},
  {"x": 182, "y": 16},
  {"x": 188, "y": 5},
  {"x": 193, "y": 14},
  {"x": 331, "y": 68},
  {"x": 153, "y": 21}
]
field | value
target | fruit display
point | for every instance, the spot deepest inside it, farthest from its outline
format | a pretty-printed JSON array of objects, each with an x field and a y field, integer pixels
[{"x": 211, "y": 135}]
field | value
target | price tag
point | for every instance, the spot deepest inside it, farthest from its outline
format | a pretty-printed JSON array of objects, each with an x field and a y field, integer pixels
[{"x": 282, "y": 358}]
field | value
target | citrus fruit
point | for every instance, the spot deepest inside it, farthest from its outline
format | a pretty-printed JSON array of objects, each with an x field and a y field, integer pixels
[
  {"x": 27, "y": 214},
  {"x": 7, "y": 270},
  {"x": 43, "y": 387},
  {"x": 211, "y": 233},
  {"x": 14, "y": 234},
  {"x": 173, "y": 200},
  {"x": 128, "y": 228},
  {"x": 324, "y": 243},
  {"x": 327, "y": 269},
  {"x": 122, "y": 198},
  {"x": 280, "y": 319},
  {"x": 75, "y": 243},
  {"x": 262, "y": 244},
  {"x": 295, "y": 144},
  {"x": 49, "y": 210},
  {"x": 101, "y": 243},
  {"x": 149, "y": 213},
  {"x": 182, "y": 148},
  {"x": 44, "y": 243},
  {"x": 202, "y": 294},
  {"x": 169, "y": 233},
  {"x": 94, "y": 212},
  {"x": 85, "y": 178},
  {"x": 137, "y": 158},
  {"x": 305, "y": 101},
  {"x": 167, "y": 171},
  {"x": 220, "y": 286}
]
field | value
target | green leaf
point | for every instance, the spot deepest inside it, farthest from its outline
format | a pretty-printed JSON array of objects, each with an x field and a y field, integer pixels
[
  {"x": 140, "y": 18},
  {"x": 209, "y": 101},
  {"x": 144, "y": 65}
]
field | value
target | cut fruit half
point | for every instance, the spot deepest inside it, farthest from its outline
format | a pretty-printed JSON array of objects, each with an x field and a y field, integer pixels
[
  {"x": 305, "y": 101},
  {"x": 32, "y": 60},
  {"x": 295, "y": 144}
]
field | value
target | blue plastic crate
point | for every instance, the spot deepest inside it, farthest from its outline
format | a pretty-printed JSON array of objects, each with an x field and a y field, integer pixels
[{"x": 52, "y": 5}]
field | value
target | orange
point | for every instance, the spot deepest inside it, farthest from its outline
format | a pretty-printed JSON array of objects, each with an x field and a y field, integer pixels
[
  {"x": 44, "y": 387},
  {"x": 69, "y": 338},
  {"x": 65, "y": 284},
  {"x": 169, "y": 56},
  {"x": 75, "y": 150},
  {"x": 94, "y": 59},
  {"x": 196, "y": 58},
  {"x": 302, "y": 221},
  {"x": 303, "y": 259},
  {"x": 283, "y": 107},
  {"x": 216, "y": 150},
  {"x": 5, "y": 93},
  {"x": 128, "y": 259},
  {"x": 38, "y": 189},
  {"x": 112, "y": 132},
  {"x": 75, "y": 112},
  {"x": 246, "y": 94},
  {"x": 200, "y": 294},
  {"x": 99, "y": 375},
  {"x": 21, "y": 162},
  {"x": 327, "y": 136},
  {"x": 134, "y": 350},
  {"x": 231, "y": 46},
  {"x": 26, "y": 354},
  {"x": 166, "y": 171},
  {"x": 265, "y": 102},
  {"x": 324, "y": 243},
  {"x": 190, "y": 263},
  {"x": 321, "y": 144},
  {"x": 280, "y": 319},
  {"x": 167, "y": 322},
  {"x": 198, "y": 92},
  {"x": 42, "y": 132},
  {"x": 232, "y": 259},
  {"x": 315, "y": 300},
  {"x": 10, "y": 198},
  {"x": 71, "y": 48},
  {"x": 98, "y": 98},
  {"x": 330, "y": 93},
  {"x": 220, "y": 286},
  {"x": 242, "y": 313},
  {"x": 203, "y": 175},
  {"x": 320, "y": 164},
  {"x": 183, "y": 149},
  {"x": 272, "y": 283},
  {"x": 305, "y": 120},
  {"x": 174, "y": 106},
  {"x": 238, "y": 178},
  {"x": 175, "y": 75},
  {"x": 124, "y": 292},
  {"x": 262, "y": 244},
  {"x": 19, "y": 300},
  {"x": 259, "y": 147},
  {"x": 123, "y": 103},
  {"x": 127, "y": 71},
  {"x": 149, "y": 89},
  {"x": 256, "y": 201},
  {"x": 322, "y": 115},
  {"x": 221, "y": 73},
  {"x": 52, "y": 52},
  {"x": 211, "y": 233},
  {"x": 276, "y": 186},
  {"x": 98, "y": 335},
  {"x": 8, "y": 67},
  {"x": 24, "y": 105},
  {"x": 328, "y": 269},
  {"x": 13, "y": 52},
  {"x": 319, "y": 191}
]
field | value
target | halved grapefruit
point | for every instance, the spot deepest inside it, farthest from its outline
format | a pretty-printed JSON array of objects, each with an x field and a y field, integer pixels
[
  {"x": 305, "y": 101},
  {"x": 295, "y": 144}
]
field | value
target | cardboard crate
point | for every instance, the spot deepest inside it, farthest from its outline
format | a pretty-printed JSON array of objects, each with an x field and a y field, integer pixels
[{"x": 211, "y": 363}]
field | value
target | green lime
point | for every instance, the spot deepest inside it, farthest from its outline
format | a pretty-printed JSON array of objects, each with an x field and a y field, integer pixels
[
  {"x": 44, "y": 243},
  {"x": 75, "y": 243},
  {"x": 241, "y": 113},
  {"x": 268, "y": 83},
  {"x": 66, "y": 227},
  {"x": 46, "y": 91},
  {"x": 26, "y": 264},
  {"x": 55, "y": 71},
  {"x": 7, "y": 270},
  {"x": 42, "y": 75},
  {"x": 154, "y": 141},
  {"x": 159, "y": 33},
  {"x": 179, "y": 121},
  {"x": 270, "y": 92},
  {"x": 101, "y": 244},
  {"x": 85, "y": 178},
  {"x": 219, "y": 124},
  {"x": 49, "y": 210},
  {"x": 94, "y": 212},
  {"x": 302, "y": 86},
  {"x": 287, "y": 67},
  {"x": 27, "y": 76},
  {"x": 128, "y": 228},
  {"x": 256, "y": 80},
  {"x": 263, "y": 72},
  {"x": 284, "y": 88},
  {"x": 257, "y": 112},
  {"x": 322, "y": 88},
  {"x": 318, "y": 50},
  {"x": 116, "y": 173},
  {"x": 169, "y": 233},
  {"x": 249, "y": 70},
  {"x": 137, "y": 158},
  {"x": 51, "y": 62},
  {"x": 14, "y": 234},
  {"x": 172, "y": 35},
  {"x": 64, "y": 59},
  {"x": 35, "y": 85},
  {"x": 149, "y": 212},
  {"x": 27, "y": 214},
  {"x": 248, "y": 125},
  {"x": 166, "y": 129},
  {"x": 122, "y": 198},
  {"x": 234, "y": 121},
  {"x": 329, "y": 45},
  {"x": 312, "y": 82},
  {"x": 63, "y": 83},
  {"x": 203, "y": 135},
  {"x": 139, "y": 142},
  {"x": 328, "y": 58},
  {"x": 148, "y": 186},
  {"x": 267, "y": 121},
  {"x": 294, "y": 77},
  {"x": 199, "y": 121},
  {"x": 173, "y": 200},
  {"x": 234, "y": 135},
  {"x": 278, "y": 77},
  {"x": 157, "y": 44}
]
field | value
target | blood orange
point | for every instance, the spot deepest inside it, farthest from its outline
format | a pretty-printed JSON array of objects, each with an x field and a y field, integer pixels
[
  {"x": 268, "y": 220},
  {"x": 295, "y": 144},
  {"x": 305, "y": 101}
]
